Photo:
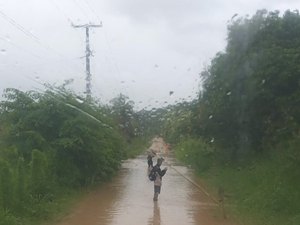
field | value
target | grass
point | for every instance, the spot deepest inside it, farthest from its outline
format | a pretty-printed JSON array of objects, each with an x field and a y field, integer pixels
[
  {"x": 42, "y": 212},
  {"x": 265, "y": 191},
  {"x": 49, "y": 212},
  {"x": 136, "y": 147}
]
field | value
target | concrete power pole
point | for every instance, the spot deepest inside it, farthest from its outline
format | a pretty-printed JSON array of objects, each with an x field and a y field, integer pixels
[{"x": 88, "y": 53}]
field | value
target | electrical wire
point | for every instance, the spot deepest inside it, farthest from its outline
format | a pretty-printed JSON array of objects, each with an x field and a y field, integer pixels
[
  {"x": 21, "y": 48},
  {"x": 61, "y": 11},
  {"x": 27, "y": 32},
  {"x": 60, "y": 93},
  {"x": 18, "y": 26},
  {"x": 113, "y": 59},
  {"x": 92, "y": 10},
  {"x": 81, "y": 9},
  {"x": 31, "y": 35}
]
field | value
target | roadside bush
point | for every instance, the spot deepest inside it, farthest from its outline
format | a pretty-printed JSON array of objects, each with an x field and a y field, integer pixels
[
  {"x": 265, "y": 191},
  {"x": 195, "y": 152}
]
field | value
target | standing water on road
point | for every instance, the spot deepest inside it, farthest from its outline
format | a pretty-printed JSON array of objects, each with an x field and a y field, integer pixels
[{"x": 128, "y": 198}]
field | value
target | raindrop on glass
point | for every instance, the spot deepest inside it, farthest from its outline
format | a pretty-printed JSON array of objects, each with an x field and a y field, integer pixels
[
  {"x": 210, "y": 117},
  {"x": 3, "y": 51},
  {"x": 7, "y": 38},
  {"x": 228, "y": 93},
  {"x": 80, "y": 100}
]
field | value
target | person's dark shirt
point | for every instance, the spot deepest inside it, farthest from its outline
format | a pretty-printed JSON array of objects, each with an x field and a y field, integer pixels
[{"x": 157, "y": 169}]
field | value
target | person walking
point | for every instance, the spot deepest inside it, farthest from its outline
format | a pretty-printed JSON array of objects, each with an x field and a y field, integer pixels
[{"x": 158, "y": 173}]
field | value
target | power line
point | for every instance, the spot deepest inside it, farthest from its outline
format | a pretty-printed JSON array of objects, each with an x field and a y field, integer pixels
[
  {"x": 18, "y": 26},
  {"x": 20, "y": 48},
  {"x": 105, "y": 37},
  {"x": 30, "y": 35},
  {"x": 26, "y": 32},
  {"x": 81, "y": 9},
  {"x": 63, "y": 95},
  {"x": 37, "y": 40},
  {"x": 91, "y": 9},
  {"x": 113, "y": 59},
  {"x": 27, "y": 51},
  {"x": 61, "y": 11}
]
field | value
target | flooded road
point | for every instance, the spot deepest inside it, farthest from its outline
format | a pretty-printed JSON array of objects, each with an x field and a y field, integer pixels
[{"x": 128, "y": 199}]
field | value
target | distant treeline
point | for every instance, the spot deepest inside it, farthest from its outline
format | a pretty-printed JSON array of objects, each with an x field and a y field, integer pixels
[{"x": 54, "y": 142}]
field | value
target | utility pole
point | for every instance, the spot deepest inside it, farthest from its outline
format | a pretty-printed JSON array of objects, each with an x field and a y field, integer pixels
[{"x": 88, "y": 53}]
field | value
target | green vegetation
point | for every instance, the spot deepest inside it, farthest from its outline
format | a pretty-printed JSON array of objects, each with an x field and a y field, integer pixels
[
  {"x": 53, "y": 145},
  {"x": 196, "y": 153},
  {"x": 136, "y": 146},
  {"x": 264, "y": 190},
  {"x": 242, "y": 133}
]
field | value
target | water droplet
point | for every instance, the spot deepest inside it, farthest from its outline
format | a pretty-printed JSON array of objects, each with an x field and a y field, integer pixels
[
  {"x": 3, "y": 51},
  {"x": 156, "y": 66},
  {"x": 210, "y": 117},
  {"x": 263, "y": 81},
  {"x": 228, "y": 93},
  {"x": 171, "y": 92},
  {"x": 7, "y": 38},
  {"x": 212, "y": 140},
  {"x": 80, "y": 100}
]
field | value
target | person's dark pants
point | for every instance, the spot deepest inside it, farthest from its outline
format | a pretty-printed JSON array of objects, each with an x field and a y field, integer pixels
[
  {"x": 157, "y": 189},
  {"x": 156, "y": 192}
]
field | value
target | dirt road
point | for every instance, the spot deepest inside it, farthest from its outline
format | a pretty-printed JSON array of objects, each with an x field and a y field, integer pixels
[{"x": 127, "y": 199}]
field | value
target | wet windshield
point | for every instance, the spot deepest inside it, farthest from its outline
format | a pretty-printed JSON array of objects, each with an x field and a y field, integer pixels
[{"x": 149, "y": 112}]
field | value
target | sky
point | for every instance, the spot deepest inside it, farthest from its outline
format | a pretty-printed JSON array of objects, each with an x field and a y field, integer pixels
[{"x": 145, "y": 49}]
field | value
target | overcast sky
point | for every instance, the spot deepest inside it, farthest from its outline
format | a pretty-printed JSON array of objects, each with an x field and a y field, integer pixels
[{"x": 145, "y": 49}]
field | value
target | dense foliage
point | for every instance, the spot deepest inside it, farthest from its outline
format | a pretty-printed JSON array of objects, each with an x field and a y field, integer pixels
[
  {"x": 242, "y": 133},
  {"x": 250, "y": 94},
  {"x": 53, "y": 142},
  {"x": 251, "y": 91}
]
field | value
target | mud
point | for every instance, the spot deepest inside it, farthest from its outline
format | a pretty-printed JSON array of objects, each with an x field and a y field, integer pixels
[{"x": 127, "y": 199}]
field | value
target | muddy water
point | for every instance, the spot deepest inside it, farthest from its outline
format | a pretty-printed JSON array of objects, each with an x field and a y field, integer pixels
[{"x": 127, "y": 200}]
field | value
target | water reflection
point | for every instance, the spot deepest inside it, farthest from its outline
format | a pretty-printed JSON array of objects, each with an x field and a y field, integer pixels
[
  {"x": 155, "y": 219},
  {"x": 127, "y": 199}
]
